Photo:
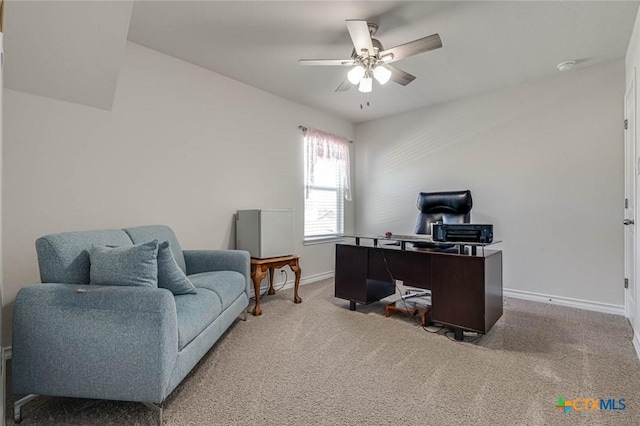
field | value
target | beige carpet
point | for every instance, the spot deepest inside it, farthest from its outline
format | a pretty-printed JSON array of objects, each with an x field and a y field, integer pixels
[{"x": 317, "y": 363}]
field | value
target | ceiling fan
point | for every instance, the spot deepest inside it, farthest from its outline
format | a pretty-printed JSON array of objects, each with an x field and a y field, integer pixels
[{"x": 370, "y": 60}]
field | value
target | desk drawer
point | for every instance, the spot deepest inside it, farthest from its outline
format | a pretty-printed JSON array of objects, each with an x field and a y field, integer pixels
[{"x": 458, "y": 291}]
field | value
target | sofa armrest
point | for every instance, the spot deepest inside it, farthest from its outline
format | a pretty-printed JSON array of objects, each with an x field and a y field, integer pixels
[
  {"x": 103, "y": 342},
  {"x": 219, "y": 260}
]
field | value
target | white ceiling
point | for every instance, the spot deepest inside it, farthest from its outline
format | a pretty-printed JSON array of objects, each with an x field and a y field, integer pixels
[
  {"x": 486, "y": 45},
  {"x": 65, "y": 50}
]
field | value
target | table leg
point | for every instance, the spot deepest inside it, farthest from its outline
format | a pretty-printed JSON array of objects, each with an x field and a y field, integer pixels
[
  {"x": 271, "y": 289},
  {"x": 458, "y": 334},
  {"x": 295, "y": 267},
  {"x": 257, "y": 275}
]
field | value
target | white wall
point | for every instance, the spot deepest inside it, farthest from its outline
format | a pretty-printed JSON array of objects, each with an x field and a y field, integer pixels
[
  {"x": 182, "y": 146},
  {"x": 544, "y": 163}
]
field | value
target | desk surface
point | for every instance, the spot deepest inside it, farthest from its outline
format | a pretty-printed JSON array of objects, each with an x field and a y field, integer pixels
[
  {"x": 405, "y": 244},
  {"x": 418, "y": 238}
]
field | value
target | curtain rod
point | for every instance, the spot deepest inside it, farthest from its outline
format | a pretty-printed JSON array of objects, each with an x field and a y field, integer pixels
[{"x": 304, "y": 129}]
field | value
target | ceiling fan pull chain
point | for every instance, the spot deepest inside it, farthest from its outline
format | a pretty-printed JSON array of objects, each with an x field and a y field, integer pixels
[{"x": 364, "y": 99}]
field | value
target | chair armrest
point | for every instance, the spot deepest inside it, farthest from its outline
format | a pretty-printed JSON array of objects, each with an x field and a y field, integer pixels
[
  {"x": 199, "y": 261},
  {"x": 103, "y": 342}
]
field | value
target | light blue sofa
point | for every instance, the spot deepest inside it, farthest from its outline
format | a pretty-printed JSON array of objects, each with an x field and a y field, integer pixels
[{"x": 72, "y": 339}]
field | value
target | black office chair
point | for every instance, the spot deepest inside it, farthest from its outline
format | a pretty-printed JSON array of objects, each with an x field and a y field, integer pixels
[{"x": 442, "y": 207}]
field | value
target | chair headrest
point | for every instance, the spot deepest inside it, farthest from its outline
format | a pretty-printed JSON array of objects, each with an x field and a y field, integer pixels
[{"x": 458, "y": 202}]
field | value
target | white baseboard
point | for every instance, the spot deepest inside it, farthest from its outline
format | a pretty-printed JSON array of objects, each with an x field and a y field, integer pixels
[
  {"x": 314, "y": 278},
  {"x": 636, "y": 343},
  {"x": 291, "y": 280},
  {"x": 566, "y": 301},
  {"x": 6, "y": 353},
  {"x": 516, "y": 294}
]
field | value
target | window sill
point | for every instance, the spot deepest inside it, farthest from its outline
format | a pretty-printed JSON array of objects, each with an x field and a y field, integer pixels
[{"x": 321, "y": 240}]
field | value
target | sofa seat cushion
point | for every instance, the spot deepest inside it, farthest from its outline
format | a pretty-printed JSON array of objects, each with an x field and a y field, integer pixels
[
  {"x": 195, "y": 313},
  {"x": 228, "y": 285}
]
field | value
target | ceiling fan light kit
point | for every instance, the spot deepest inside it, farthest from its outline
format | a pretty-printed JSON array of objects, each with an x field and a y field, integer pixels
[
  {"x": 371, "y": 60},
  {"x": 381, "y": 74},
  {"x": 366, "y": 84},
  {"x": 356, "y": 74}
]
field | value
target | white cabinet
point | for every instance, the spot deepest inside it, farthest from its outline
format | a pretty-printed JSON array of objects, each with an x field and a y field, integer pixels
[{"x": 265, "y": 233}]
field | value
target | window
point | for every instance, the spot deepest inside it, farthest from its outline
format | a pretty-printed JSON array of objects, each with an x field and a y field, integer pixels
[{"x": 326, "y": 186}]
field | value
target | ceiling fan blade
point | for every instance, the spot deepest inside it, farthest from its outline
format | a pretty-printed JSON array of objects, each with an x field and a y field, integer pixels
[
  {"x": 399, "y": 76},
  {"x": 412, "y": 48},
  {"x": 338, "y": 62},
  {"x": 359, "y": 32},
  {"x": 344, "y": 86}
]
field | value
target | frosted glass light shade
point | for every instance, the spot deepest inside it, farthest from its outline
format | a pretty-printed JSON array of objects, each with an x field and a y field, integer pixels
[
  {"x": 366, "y": 84},
  {"x": 356, "y": 74},
  {"x": 382, "y": 74}
]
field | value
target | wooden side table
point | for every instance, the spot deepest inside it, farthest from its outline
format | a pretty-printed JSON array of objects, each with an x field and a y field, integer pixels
[{"x": 259, "y": 268}]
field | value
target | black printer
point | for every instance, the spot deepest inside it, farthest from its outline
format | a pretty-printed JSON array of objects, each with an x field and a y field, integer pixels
[{"x": 462, "y": 232}]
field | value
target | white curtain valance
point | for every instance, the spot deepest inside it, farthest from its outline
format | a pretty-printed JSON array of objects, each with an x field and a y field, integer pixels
[{"x": 323, "y": 145}]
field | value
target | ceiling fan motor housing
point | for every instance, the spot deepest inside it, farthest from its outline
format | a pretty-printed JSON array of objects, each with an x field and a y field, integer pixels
[{"x": 377, "y": 48}]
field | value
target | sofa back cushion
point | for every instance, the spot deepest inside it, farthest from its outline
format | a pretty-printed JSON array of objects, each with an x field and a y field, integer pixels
[
  {"x": 144, "y": 234},
  {"x": 64, "y": 257}
]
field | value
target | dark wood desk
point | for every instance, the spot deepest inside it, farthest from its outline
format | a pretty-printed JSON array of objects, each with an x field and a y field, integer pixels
[{"x": 466, "y": 290}]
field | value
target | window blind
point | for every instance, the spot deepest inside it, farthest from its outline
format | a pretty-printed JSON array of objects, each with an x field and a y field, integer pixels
[{"x": 326, "y": 184}]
